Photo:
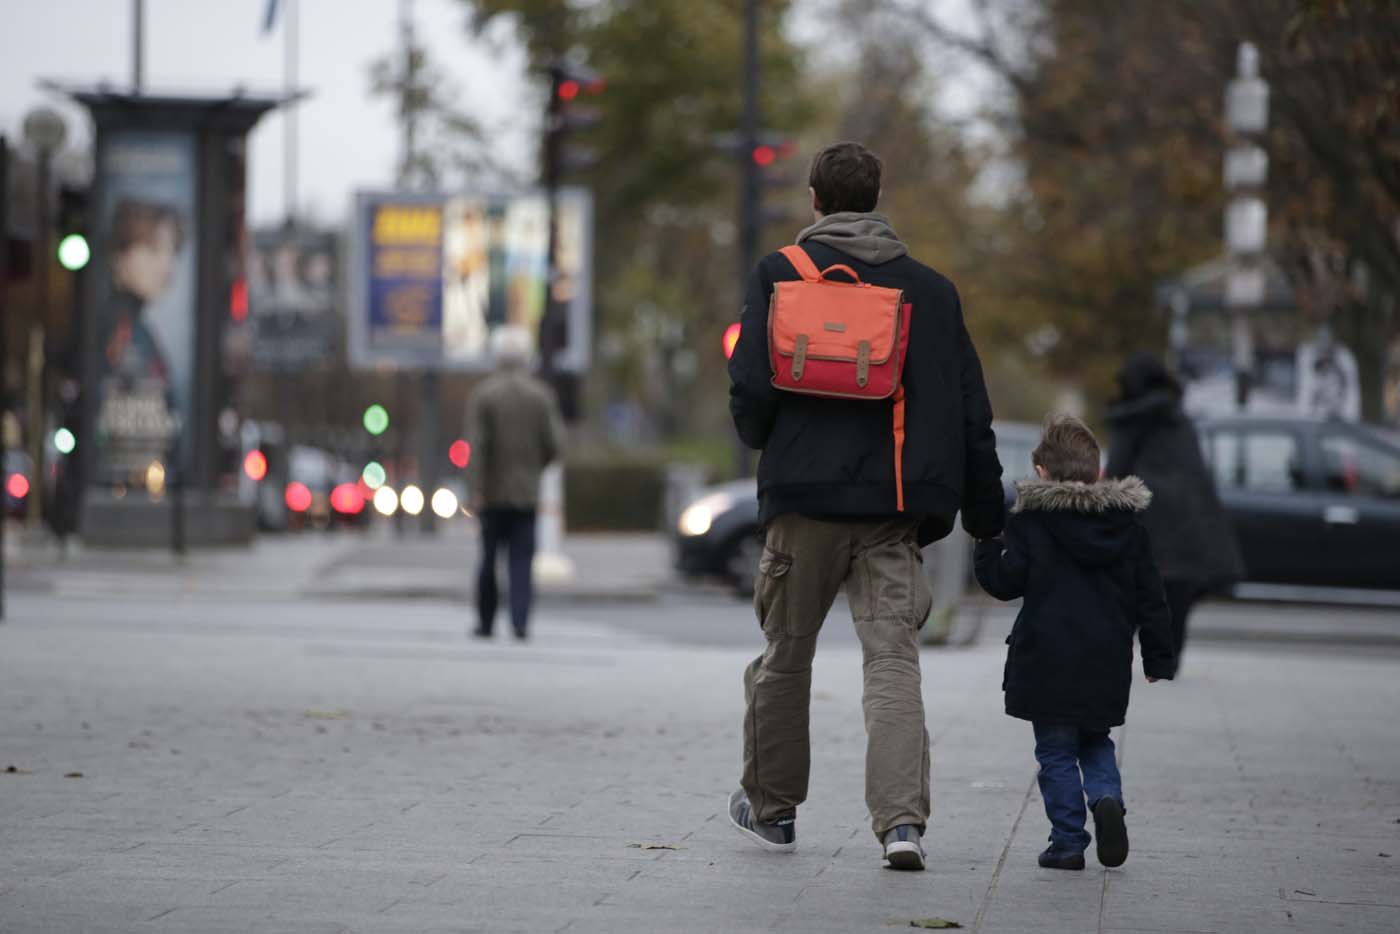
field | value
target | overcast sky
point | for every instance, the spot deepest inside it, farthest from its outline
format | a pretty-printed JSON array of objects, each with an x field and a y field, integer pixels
[{"x": 348, "y": 139}]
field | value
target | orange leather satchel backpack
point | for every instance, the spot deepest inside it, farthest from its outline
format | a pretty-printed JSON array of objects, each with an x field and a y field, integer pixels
[{"x": 843, "y": 340}]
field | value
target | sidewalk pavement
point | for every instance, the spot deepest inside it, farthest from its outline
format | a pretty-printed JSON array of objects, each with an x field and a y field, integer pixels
[
  {"x": 373, "y": 564},
  {"x": 344, "y": 769},
  {"x": 607, "y": 568}
]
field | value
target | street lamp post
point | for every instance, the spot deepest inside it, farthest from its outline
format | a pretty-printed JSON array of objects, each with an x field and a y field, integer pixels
[
  {"x": 4, "y": 320},
  {"x": 1246, "y": 170},
  {"x": 45, "y": 130}
]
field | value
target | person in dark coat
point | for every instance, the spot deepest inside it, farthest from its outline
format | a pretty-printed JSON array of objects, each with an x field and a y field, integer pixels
[
  {"x": 1078, "y": 553},
  {"x": 1151, "y": 437}
]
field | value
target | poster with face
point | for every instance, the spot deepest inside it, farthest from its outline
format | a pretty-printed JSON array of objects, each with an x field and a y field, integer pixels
[
  {"x": 145, "y": 316},
  {"x": 292, "y": 297}
]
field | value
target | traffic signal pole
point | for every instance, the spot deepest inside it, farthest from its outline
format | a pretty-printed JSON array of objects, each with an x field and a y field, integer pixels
[
  {"x": 4, "y": 321},
  {"x": 550, "y": 171},
  {"x": 749, "y": 194},
  {"x": 749, "y": 207}
]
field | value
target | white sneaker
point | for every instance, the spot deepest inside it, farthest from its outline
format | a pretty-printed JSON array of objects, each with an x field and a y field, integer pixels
[{"x": 903, "y": 847}]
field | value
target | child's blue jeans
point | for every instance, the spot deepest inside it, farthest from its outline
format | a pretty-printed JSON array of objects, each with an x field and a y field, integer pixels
[{"x": 1063, "y": 752}]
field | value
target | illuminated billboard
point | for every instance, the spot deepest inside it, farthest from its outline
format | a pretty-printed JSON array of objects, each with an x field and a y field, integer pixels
[{"x": 434, "y": 275}]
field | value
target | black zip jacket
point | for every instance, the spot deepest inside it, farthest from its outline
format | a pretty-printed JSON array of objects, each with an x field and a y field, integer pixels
[{"x": 834, "y": 458}]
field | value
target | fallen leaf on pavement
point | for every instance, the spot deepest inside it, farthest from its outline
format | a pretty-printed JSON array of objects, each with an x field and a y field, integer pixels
[
  {"x": 73, "y": 775},
  {"x": 11, "y": 770},
  {"x": 652, "y": 846},
  {"x": 934, "y": 924}
]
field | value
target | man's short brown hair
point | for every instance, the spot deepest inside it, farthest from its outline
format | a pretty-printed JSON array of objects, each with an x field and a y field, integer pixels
[
  {"x": 846, "y": 177},
  {"x": 1067, "y": 450}
]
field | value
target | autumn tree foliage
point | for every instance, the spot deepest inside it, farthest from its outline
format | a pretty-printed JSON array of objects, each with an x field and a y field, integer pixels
[{"x": 1112, "y": 115}]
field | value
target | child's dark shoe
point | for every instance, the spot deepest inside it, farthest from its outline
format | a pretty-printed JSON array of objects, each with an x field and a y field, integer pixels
[
  {"x": 1110, "y": 832},
  {"x": 1061, "y": 859}
]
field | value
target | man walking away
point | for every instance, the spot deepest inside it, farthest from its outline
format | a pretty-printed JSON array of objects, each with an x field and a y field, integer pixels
[
  {"x": 850, "y": 489},
  {"x": 515, "y": 431}
]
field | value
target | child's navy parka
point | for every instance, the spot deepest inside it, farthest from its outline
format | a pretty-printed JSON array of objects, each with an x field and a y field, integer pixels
[{"x": 1079, "y": 555}]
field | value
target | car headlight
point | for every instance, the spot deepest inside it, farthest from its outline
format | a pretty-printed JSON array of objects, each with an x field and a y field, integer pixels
[{"x": 697, "y": 518}]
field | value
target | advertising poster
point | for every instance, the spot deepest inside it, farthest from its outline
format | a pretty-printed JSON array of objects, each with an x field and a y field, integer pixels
[
  {"x": 434, "y": 277},
  {"x": 145, "y": 316},
  {"x": 292, "y": 296},
  {"x": 404, "y": 271}
]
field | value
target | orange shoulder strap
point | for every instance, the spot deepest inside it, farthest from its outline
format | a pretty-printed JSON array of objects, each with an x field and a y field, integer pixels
[
  {"x": 899, "y": 447},
  {"x": 801, "y": 262}
]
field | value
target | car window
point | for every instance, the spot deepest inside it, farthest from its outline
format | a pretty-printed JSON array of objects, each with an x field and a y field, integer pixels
[
  {"x": 1352, "y": 465},
  {"x": 1015, "y": 457},
  {"x": 1258, "y": 461}
]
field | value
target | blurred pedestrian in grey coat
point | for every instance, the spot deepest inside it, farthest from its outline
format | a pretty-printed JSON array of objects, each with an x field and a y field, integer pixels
[{"x": 515, "y": 431}]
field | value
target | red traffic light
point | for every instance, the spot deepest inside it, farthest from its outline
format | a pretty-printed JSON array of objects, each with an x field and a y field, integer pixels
[
  {"x": 460, "y": 453},
  {"x": 568, "y": 89},
  {"x": 731, "y": 339},
  {"x": 238, "y": 300},
  {"x": 255, "y": 465},
  {"x": 764, "y": 155}
]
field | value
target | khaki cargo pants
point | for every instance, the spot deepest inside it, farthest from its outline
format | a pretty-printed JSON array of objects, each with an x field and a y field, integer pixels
[{"x": 805, "y": 562}]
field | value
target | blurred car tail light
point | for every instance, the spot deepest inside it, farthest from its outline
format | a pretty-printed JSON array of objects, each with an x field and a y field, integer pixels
[
  {"x": 17, "y": 486},
  {"x": 255, "y": 465},
  {"x": 298, "y": 497},
  {"x": 347, "y": 499}
]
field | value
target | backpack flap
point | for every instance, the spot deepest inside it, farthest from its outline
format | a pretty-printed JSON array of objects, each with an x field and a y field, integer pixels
[{"x": 833, "y": 338}]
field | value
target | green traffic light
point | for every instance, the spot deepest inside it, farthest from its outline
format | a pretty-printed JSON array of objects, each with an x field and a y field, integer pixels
[
  {"x": 374, "y": 475},
  {"x": 74, "y": 252},
  {"x": 64, "y": 442},
  {"x": 376, "y": 420}
]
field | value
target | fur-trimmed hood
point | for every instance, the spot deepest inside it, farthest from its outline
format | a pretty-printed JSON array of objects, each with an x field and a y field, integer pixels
[
  {"x": 1092, "y": 522},
  {"x": 1126, "y": 494}
]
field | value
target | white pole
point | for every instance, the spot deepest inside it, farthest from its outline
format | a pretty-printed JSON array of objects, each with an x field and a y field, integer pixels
[
  {"x": 551, "y": 564},
  {"x": 289, "y": 114}
]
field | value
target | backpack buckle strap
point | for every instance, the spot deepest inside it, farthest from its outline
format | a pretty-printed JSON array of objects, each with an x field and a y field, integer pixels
[
  {"x": 799, "y": 357},
  {"x": 863, "y": 364}
]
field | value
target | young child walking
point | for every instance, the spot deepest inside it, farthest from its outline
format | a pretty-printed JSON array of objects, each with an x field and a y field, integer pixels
[{"x": 1076, "y": 550}]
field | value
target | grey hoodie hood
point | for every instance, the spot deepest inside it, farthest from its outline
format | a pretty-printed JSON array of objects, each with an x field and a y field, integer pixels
[{"x": 867, "y": 237}]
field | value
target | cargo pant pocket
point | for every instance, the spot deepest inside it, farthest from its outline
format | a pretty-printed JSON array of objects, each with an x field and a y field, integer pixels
[
  {"x": 772, "y": 568},
  {"x": 889, "y": 583}
]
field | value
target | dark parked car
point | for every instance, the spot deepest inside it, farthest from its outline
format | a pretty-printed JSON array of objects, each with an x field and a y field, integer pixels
[
  {"x": 1314, "y": 503},
  {"x": 717, "y": 534},
  {"x": 322, "y": 491}
]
